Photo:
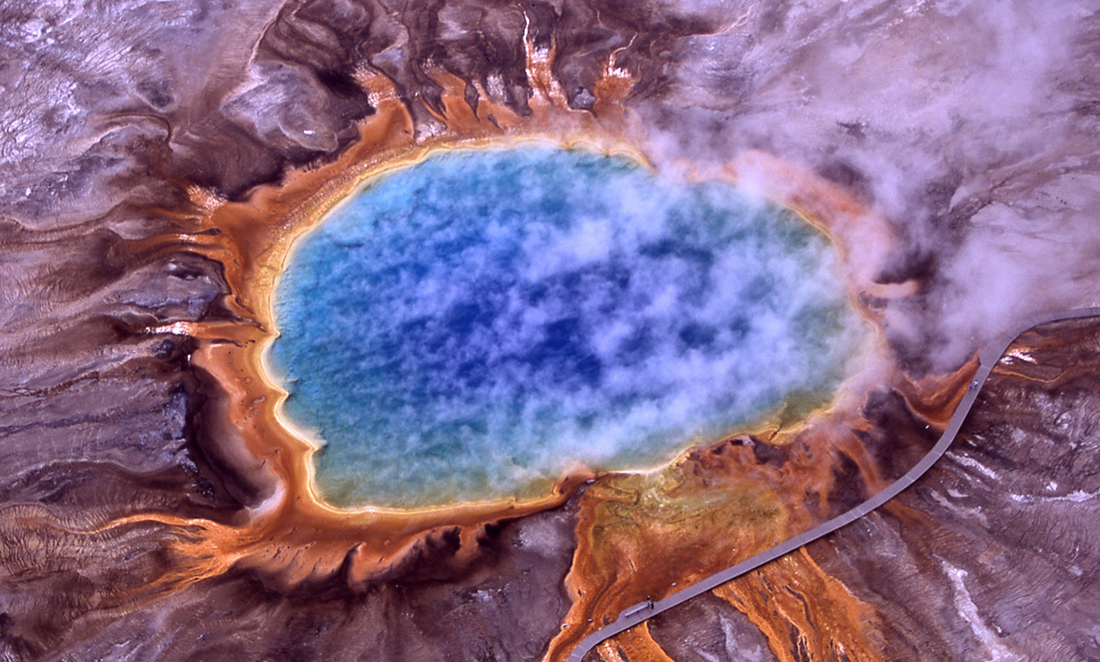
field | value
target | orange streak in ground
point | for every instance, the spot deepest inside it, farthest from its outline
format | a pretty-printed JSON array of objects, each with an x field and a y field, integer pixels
[
  {"x": 798, "y": 607},
  {"x": 634, "y": 645}
]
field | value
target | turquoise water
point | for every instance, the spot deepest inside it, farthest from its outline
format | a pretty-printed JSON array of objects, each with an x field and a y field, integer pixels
[{"x": 472, "y": 326}]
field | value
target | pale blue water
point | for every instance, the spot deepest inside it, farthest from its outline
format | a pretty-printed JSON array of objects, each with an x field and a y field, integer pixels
[{"x": 467, "y": 328}]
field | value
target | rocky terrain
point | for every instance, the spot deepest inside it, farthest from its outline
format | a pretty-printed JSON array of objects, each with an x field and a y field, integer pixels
[{"x": 157, "y": 158}]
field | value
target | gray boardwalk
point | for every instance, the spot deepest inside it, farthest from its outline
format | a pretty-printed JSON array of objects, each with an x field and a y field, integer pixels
[{"x": 989, "y": 357}]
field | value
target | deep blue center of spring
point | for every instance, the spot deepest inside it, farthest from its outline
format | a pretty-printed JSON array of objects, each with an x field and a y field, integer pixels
[{"x": 469, "y": 327}]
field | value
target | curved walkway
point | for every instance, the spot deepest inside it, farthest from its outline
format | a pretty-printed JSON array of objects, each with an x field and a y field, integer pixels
[{"x": 989, "y": 357}]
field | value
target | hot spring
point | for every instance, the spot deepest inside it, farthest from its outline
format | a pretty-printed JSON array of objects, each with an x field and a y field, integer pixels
[{"x": 471, "y": 327}]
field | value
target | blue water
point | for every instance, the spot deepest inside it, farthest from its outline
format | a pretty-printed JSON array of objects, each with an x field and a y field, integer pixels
[{"x": 469, "y": 327}]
